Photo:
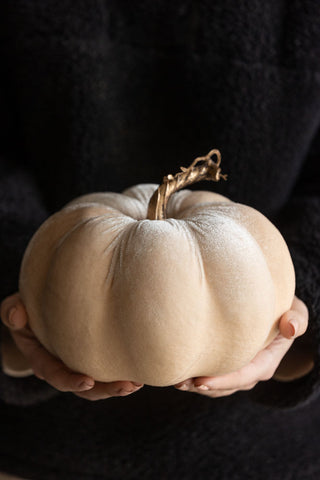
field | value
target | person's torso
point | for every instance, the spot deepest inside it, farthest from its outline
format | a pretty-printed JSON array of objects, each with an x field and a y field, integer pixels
[{"x": 117, "y": 94}]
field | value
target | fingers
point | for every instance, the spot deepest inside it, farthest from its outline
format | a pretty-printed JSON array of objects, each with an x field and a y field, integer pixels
[
  {"x": 292, "y": 324},
  {"x": 189, "y": 385},
  {"x": 54, "y": 372},
  {"x": 58, "y": 375},
  {"x": 210, "y": 393},
  {"x": 242, "y": 379},
  {"x": 13, "y": 312},
  {"x": 261, "y": 368},
  {"x": 46, "y": 367},
  {"x": 102, "y": 391}
]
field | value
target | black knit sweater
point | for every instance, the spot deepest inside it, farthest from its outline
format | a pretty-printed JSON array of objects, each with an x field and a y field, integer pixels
[{"x": 100, "y": 95}]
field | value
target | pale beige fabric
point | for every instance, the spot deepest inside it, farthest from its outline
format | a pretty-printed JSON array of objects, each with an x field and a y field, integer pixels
[{"x": 5, "y": 476}]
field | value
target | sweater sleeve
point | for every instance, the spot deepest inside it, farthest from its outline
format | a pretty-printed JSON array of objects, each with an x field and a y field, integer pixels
[
  {"x": 299, "y": 223},
  {"x": 21, "y": 213}
]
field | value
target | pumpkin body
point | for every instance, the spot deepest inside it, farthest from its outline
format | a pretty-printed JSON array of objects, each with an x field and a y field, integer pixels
[{"x": 120, "y": 297}]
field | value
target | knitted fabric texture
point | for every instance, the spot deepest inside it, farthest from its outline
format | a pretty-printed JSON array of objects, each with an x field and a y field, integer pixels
[{"x": 98, "y": 96}]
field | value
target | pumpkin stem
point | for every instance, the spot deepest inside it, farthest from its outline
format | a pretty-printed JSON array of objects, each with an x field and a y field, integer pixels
[{"x": 202, "y": 168}]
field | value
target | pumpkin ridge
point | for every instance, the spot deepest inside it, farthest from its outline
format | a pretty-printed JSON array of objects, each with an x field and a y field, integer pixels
[{"x": 197, "y": 249}]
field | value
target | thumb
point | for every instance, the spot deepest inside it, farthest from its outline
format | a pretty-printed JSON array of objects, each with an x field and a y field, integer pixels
[
  {"x": 13, "y": 313},
  {"x": 294, "y": 322}
]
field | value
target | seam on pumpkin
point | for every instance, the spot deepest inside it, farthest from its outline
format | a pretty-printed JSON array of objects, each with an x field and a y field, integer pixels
[
  {"x": 117, "y": 260},
  {"x": 117, "y": 253},
  {"x": 192, "y": 228},
  {"x": 78, "y": 225}
]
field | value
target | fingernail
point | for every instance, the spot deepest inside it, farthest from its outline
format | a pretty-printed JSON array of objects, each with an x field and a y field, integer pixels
[
  {"x": 11, "y": 315},
  {"x": 202, "y": 387},
  {"x": 86, "y": 385},
  {"x": 137, "y": 384},
  {"x": 294, "y": 326},
  {"x": 182, "y": 386}
]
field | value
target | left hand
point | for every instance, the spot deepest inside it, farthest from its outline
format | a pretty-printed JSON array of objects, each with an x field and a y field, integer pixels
[
  {"x": 292, "y": 324},
  {"x": 47, "y": 367}
]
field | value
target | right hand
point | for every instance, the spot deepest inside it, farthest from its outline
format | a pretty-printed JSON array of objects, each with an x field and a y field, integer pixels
[{"x": 47, "y": 367}]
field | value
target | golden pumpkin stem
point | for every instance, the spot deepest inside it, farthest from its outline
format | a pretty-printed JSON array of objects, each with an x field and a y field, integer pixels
[{"x": 202, "y": 168}]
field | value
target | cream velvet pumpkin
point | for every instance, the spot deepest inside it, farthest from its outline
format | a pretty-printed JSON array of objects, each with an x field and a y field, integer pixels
[{"x": 120, "y": 297}]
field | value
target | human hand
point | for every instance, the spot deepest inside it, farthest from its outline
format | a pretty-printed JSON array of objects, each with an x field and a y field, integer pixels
[
  {"x": 47, "y": 367},
  {"x": 292, "y": 324}
]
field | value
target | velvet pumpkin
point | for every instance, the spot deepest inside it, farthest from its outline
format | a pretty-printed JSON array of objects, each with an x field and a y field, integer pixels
[{"x": 119, "y": 295}]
